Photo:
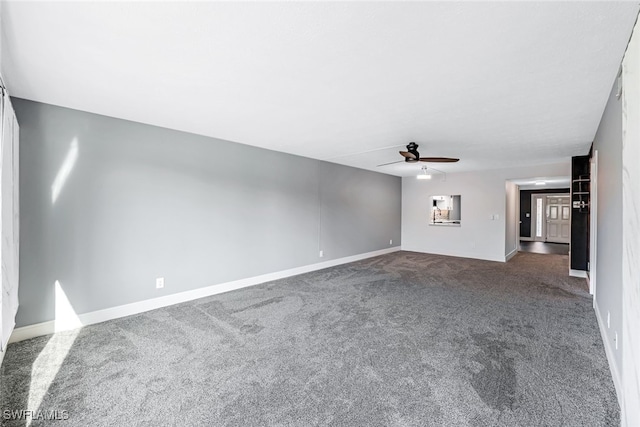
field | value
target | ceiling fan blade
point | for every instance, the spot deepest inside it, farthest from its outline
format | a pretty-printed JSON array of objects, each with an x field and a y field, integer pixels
[
  {"x": 409, "y": 155},
  {"x": 392, "y": 163},
  {"x": 439, "y": 159}
]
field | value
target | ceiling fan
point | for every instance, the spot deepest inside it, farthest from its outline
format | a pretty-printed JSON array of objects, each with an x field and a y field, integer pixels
[{"x": 412, "y": 156}]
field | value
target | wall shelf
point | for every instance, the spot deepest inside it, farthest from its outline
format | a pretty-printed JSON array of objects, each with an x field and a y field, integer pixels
[
  {"x": 580, "y": 207},
  {"x": 580, "y": 192}
]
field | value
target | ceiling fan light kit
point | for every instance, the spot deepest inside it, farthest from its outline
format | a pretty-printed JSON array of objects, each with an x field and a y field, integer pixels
[
  {"x": 427, "y": 173},
  {"x": 424, "y": 174}
]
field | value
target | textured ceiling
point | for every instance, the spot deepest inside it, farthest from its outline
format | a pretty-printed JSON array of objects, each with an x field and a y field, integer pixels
[{"x": 495, "y": 84}]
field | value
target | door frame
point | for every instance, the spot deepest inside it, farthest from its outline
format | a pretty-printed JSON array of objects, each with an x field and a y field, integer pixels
[
  {"x": 534, "y": 214},
  {"x": 593, "y": 226}
]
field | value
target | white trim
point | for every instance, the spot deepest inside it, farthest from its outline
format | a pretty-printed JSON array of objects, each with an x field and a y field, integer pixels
[
  {"x": 1, "y": 357},
  {"x": 609, "y": 353},
  {"x": 511, "y": 255},
  {"x": 515, "y": 203},
  {"x": 111, "y": 313},
  {"x": 593, "y": 225},
  {"x": 578, "y": 273}
]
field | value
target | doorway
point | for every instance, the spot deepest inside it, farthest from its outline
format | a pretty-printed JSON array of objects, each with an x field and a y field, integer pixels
[
  {"x": 551, "y": 218},
  {"x": 558, "y": 214}
]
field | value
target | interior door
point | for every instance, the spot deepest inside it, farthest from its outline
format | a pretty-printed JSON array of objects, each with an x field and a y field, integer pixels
[{"x": 558, "y": 214}]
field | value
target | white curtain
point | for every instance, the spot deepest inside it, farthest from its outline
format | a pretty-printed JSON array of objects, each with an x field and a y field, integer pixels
[{"x": 9, "y": 218}]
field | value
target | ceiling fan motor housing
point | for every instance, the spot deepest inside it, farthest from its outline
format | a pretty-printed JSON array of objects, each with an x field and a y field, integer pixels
[{"x": 413, "y": 149}]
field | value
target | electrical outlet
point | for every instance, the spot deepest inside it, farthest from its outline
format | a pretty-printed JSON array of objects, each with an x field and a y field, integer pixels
[
  {"x": 321, "y": 254},
  {"x": 160, "y": 282},
  {"x": 608, "y": 319},
  {"x": 496, "y": 217},
  {"x": 390, "y": 242}
]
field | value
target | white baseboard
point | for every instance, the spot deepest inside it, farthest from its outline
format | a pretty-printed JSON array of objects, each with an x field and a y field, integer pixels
[
  {"x": 578, "y": 273},
  {"x": 457, "y": 254},
  {"x": 1, "y": 357},
  {"x": 609, "y": 353},
  {"x": 511, "y": 255},
  {"x": 50, "y": 327}
]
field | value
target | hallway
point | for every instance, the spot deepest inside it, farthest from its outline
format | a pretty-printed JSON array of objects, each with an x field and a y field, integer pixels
[{"x": 544, "y": 248}]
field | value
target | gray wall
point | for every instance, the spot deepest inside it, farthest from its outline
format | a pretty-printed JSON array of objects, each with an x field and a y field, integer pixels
[
  {"x": 142, "y": 202},
  {"x": 608, "y": 143}
]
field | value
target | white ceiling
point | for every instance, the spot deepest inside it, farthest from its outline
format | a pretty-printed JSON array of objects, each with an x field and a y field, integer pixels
[{"x": 495, "y": 84}]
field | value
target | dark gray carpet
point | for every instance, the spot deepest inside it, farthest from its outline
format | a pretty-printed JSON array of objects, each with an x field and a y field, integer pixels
[{"x": 401, "y": 339}]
